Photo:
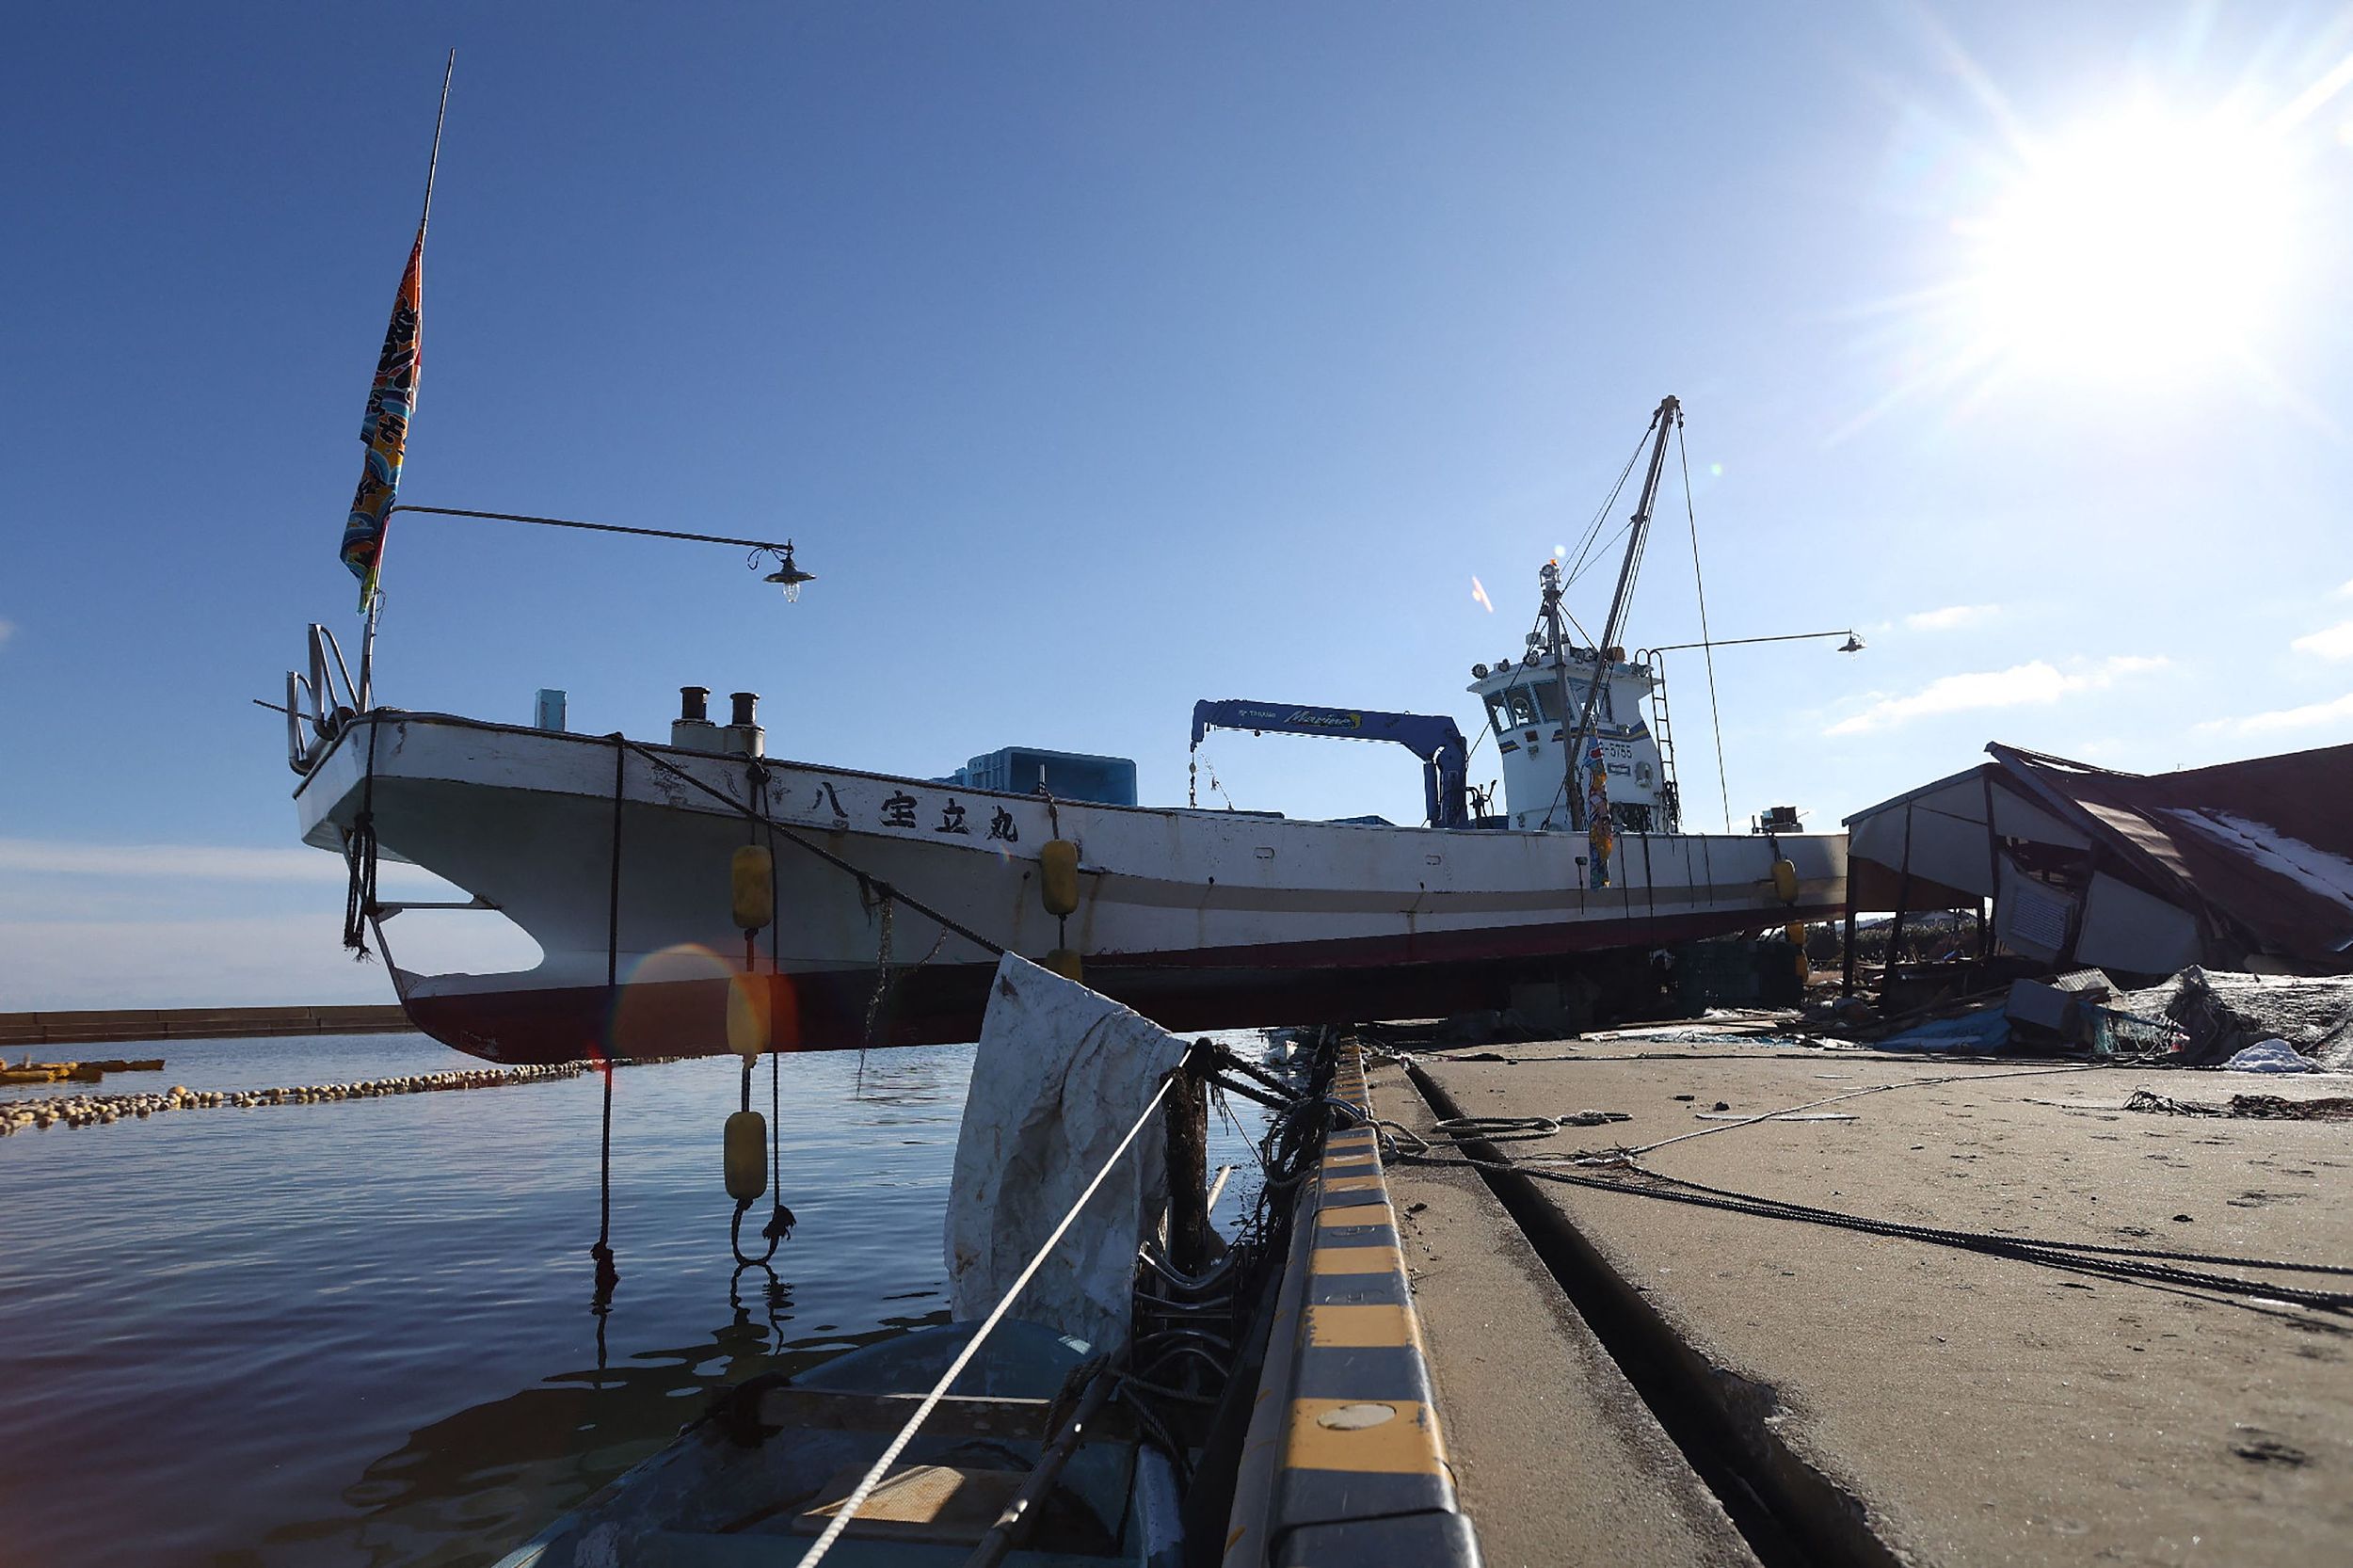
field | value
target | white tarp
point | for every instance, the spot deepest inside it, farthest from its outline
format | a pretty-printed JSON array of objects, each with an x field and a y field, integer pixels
[{"x": 1059, "y": 1076}]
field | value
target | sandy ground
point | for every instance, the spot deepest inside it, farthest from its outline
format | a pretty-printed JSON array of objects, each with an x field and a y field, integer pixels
[{"x": 1983, "y": 1410}]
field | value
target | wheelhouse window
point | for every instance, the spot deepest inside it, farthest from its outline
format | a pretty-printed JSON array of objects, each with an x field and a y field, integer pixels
[
  {"x": 1511, "y": 709},
  {"x": 1603, "y": 713}
]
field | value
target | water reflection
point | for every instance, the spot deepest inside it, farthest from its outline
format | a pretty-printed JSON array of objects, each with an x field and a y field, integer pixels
[
  {"x": 474, "y": 1484},
  {"x": 910, "y": 1077}
]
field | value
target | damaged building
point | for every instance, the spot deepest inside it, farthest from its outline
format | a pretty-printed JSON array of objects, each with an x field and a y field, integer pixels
[{"x": 2244, "y": 866}]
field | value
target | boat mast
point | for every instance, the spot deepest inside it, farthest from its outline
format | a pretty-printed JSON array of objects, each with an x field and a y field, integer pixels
[
  {"x": 365, "y": 694},
  {"x": 1663, "y": 419},
  {"x": 1557, "y": 643}
]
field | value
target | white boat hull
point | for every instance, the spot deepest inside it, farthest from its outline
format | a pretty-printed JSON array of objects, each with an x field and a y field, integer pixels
[{"x": 1200, "y": 920}]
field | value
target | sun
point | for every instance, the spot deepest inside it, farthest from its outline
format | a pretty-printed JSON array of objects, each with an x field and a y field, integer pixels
[{"x": 2135, "y": 245}]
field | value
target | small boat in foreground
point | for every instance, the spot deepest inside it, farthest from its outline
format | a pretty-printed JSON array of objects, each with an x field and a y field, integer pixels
[{"x": 766, "y": 1469}]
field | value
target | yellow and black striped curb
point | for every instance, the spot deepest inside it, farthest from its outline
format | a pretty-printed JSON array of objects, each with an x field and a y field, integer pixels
[{"x": 1360, "y": 1470}]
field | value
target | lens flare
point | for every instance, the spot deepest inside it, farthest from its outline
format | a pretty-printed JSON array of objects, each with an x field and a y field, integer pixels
[
  {"x": 679, "y": 996},
  {"x": 2135, "y": 244},
  {"x": 1478, "y": 594}
]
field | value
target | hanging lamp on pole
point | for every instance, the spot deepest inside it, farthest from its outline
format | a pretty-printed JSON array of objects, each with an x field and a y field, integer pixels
[{"x": 788, "y": 576}]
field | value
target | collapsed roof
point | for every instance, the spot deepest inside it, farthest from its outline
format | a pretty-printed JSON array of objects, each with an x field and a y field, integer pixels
[{"x": 2139, "y": 871}]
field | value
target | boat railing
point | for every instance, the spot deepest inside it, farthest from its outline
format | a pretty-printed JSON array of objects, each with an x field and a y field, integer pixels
[{"x": 326, "y": 699}]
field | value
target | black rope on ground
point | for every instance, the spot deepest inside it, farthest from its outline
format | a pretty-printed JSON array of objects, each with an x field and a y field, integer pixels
[
  {"x": 2134, "y": 1264},
  {"x": 1511, "y": 1130},
  {"x": 609, "y": 1276},
  {"x": 2156, "y": 1253}
]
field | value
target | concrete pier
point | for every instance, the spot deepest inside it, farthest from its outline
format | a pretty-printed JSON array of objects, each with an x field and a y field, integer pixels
[
  {"x": 1626, "y": 1378},
  {"x": 1559, "y": 1459},
  {"x": 196, "y": 1023}
]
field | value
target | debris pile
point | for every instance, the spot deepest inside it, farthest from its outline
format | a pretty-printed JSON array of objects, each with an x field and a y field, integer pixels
[
  {"x": 29, "y": 1071},
  {"x": 2223, "y": 1013},
  {"x": 2276, "y": 1108}
]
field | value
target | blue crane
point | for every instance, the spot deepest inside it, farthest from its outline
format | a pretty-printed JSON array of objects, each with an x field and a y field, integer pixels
[{"x": 1433, "y": 737}]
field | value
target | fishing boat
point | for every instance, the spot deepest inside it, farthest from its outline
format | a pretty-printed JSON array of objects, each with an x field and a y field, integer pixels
[{"x": 895, "y": 895}]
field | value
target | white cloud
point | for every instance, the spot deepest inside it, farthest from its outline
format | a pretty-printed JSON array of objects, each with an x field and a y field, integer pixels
[
  {"x": 2345, "y": 589},
  {"x": 217, "y": 863},
  {"x": 1952, "y": 617},
  {"x": 7, "y": 629},
  {"x": 2312, "y": 715},
  {"x": 2335, "y": 642},
  {"x": 234, "y": 961},
  {"x": 300, "y": 865},
  {"x": 173, "y": 925},
  {"x": 2021, "y": 685},
  {"x": 193, "y": 963},
  {"x": 206, "y": 862},
  {"x": 214, "y": 862}
]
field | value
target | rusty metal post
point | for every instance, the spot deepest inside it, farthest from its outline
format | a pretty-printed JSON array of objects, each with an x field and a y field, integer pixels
[
  {"x": 1187, "y": 1117},
  {"x": 1896, "y": 926}
]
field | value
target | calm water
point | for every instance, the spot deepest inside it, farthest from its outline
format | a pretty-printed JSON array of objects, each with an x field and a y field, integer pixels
[{"x": 359, "y": 1332}]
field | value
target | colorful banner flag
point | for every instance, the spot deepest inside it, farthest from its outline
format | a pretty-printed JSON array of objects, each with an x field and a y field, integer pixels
[
  {"x": 385, "y": 429},
  {"x": 1598, "y": 837}
]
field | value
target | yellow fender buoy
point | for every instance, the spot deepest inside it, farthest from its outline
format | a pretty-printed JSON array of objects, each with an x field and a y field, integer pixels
[
  {"x": 1795, "y": 931},
  {"x": 1786, "y": 880},
  {"x": 748, "y": 1031},
  {"x": 746, "y": 1143},
  {"x": 1058, "y": 877},
  {"x": 1065, "y": 961},
  {"x": 752, "y": 879}
]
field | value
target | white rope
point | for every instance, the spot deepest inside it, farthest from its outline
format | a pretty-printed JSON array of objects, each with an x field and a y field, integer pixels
[
  {"x": 866, "y": 1485},
  {"x": 1833, "y": 1100}
]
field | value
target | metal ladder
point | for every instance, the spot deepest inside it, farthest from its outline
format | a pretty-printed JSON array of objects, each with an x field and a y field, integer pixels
[{"x": 1663, "y": 732}]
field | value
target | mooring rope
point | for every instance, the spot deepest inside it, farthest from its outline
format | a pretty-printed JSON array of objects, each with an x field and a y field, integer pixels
[
  {"x": 1699, "y": 584},
  {"x": 780, "y": 1222},
  {"x": 865, "y": 1488},
  {"x": 1858, "y": 1094},
  {"x": 609, "y": 1276},
  {"x": 360, "y": 852},
  {"x": 780, "y": 1219},
  {"x": 882, "y": 974},
  {"x": 2147, "y": 1265},
  {"x": 995, "y": 950}
]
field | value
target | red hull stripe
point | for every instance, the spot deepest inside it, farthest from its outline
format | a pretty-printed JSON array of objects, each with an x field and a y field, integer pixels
[{"x": 1417, "y": 975}]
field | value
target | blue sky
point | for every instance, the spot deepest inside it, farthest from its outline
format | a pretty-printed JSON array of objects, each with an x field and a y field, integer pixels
[{"x": 1104, "y": 358}]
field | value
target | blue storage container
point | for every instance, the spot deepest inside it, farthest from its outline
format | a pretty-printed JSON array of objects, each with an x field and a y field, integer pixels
[{"x": 1066, "y": 775}]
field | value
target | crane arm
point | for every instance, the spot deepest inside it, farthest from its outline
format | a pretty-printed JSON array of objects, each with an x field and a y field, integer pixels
[{"x": 1434, "y": 738}]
